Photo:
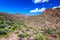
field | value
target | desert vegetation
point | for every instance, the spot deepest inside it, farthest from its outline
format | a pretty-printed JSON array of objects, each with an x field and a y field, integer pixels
[{"x": 42, "y": 27}]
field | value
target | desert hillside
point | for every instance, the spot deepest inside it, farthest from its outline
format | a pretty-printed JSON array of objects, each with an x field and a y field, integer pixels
[
  {"x": 49, "y": 18},
  {"x": 22, "y": 27}
]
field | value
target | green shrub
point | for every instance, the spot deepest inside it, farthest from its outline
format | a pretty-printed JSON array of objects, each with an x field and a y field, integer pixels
[
  {"x": 49, "y": 31},
  {"x": 39, "y": 36},
  {"x": 23, "y": 35},
  {"x": 13, "y": 27},
  {"x": 58, "y": 32},
  {"x": 3, "y": 32},
  {"x": 2, "y": 26},
  {"x": 1, "y": 22}
]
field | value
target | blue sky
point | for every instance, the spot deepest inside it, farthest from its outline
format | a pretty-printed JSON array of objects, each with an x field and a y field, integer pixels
[{"x": 28, "y": 7}]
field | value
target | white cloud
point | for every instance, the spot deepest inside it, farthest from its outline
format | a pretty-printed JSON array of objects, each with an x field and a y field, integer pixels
[
  {"x": 38, "y": 1},
  {"x": 37, "y": 10},
  {"x": 45, "y": 0},
  {"x": 56, "y": 7}
]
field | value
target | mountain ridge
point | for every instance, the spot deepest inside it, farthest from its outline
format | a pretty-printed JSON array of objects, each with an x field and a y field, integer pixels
[{"x": 50, "y": 15}]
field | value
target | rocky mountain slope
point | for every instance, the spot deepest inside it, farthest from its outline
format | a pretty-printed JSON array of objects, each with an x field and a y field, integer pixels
[
  {"x": 49, "y": 18},
  {"x": 22, "y": 27}
]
